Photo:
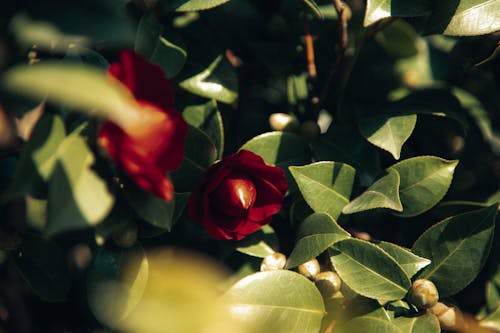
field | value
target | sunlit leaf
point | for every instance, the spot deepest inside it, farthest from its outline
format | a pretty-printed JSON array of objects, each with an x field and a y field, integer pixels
[
  {"x": 192, "y": 5},
  {"x": 410, "y": 262},
  {"x": 259, "y": 244},
  {"x": 426, "y": 323},
  {"x": 380, "y": 9},
  {"x": 369, "y": 324}
]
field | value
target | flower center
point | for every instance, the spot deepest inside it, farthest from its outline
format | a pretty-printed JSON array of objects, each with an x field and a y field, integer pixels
[{"x": 235, "y": 196}]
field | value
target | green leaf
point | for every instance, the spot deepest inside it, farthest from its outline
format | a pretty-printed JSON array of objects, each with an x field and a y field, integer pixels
[
  {"x": 199, "y": 154},
  {"x": 340, "y": 144},
  {"x": 458, "y": 248},
  {"x": 316, "y": 234},
  {"x": 476, "y": 110},
  {"x": 384, "y": 193},
  {"x": 207, "y": 118},
  {"x": 492, "y": 320},
  {"x": 193, "y": 5},
  {"x": 78, "y": 197},
  {"x": 426, "y": 323},
  {"x": 78, "y": 86},
  {"x": 299, "y": 211},
  {"x": 380, "y": 9},
  {"x": 150, "y": 208},
  {"x": 209, "y": 84},
  {"x": 38, "y": 157},
  {"x": 410, "y": 262},
  {"x": 170, "y": 57},
  {"x": 399, "y": 40},
  {"x": 148, "y": 31},
  {"x": 424, "y": 182},
  {"x": 281, "y": 149},
  {"x": 43, "y": 266},
  {"x": 279, "y": 301},
  {"x": 314, "y": 8},
  {"x": 259, "y": 244},
  {"x": 325, "y": 186},
  {"x": 369, "y": 324},
  {"x": 368, "y": 270},
  {"x": 123, "y": 274},
  {"x": 464, "y": 17},
  {"x": 388, "y": 132}
]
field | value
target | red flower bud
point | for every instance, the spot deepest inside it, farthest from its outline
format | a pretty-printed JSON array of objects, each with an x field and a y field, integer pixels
[
  {"x": 152, "y": 143},
  {"x": 237, "y": 196}
]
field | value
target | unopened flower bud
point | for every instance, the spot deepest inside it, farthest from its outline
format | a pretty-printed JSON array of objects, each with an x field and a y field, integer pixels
[
  {"x": 309, "y": 269},
  {"x": 310, "y": 130},
  {"x": 273, "y": 262},
  {"x": 283, "y": 122},
  {"x": 328, "y": 283},
  {"x": 423, "y": 294}
]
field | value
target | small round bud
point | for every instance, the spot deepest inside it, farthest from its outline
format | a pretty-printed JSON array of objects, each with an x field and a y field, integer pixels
[
  {"x": 309, "y": 269},
  {"x": 310, "y": 130},
  {"x": 125, "y": 237},
  {"x": 328, "y": 283},
  {"x": 273, "y": 262},
  {"x": 283, "y": 122},
  {"x": 449, "y": 316},
  {"x": 423, "y": 294}
]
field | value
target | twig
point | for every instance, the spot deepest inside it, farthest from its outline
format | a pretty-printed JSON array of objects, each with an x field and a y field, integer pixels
[{"x": 311, "y": 64}]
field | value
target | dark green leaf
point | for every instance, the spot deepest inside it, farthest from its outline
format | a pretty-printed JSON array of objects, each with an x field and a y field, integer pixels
[
  {"x": 148, "y": 31},
  {"x": 299, "y": 211},
  {"x": 399, "y": 40},
  {"x": 43, "y": 265},
  {"x": 388, "y": 132},
  {"x": 259, "y": 244},
  {"x": 380, "y": 9},
  {"x": 410, "y": 262},
  {"x": 170, "y": 57},
  {"x": 316, "y": 233},
  {"x": 368, "y": 270},
  {"x": 277, "y": 301},
  {"x": 207, "y": 117},
  {"x": 458, "y": 248},
  {"x": 424, "y": 182},
  {"x": 325, "y": 186},
  {"x": 426, "y": 323},
  {"x": 384, "y": 193},
  {"x": 476, "y": 110},
  {"x": 464, "y": 17}
]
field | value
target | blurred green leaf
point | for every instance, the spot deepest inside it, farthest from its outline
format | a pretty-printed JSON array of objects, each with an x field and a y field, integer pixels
[
  {"x": 199, "y": 154},
  {"x": 277, "y": 301},
  {"x": 476, "y": 110},
  {"x": 458, "y": 248},
  {"x": 325, "y": 186},
  {"x": 492, "y": 320},
  {"x": 384, "y": 193},
  {"x": 399, "y": 40},
  {"x": 426, "y": 323},
  {"x": 208, "y": 83},
  {"x": 368, "y": 270},
  {"x": 259, "y": 244},
  {"x": 315, "y": 234},
  {"x": 282, "y": 149},
  {"x": 388, "y": 132},
  {"x": 78, "y": 197},
  {"x": 43, "y": 266},
  {"x": 424, "y": 182},
  {"x": 149, "y": 30},
  {"x": 192, "y": 5},
  {"x": 207, "y": 118},
  {"x": 314, "y": 8},
  {"x": 369, "y": 324},
  {"x": 410, "y": 262},
  {"x": 170, "y": 57},
  {"x": 380, "y": 9},
  {"x": 464, "y": 17},
  {"x": 123, "y": 274}
]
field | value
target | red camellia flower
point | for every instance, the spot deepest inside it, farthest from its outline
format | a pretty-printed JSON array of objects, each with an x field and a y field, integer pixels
[
  {"x": 152, "y": 142},
  {"x": 237, "y": 196}
]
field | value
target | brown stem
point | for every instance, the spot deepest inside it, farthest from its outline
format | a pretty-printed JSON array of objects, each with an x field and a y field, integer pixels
[{"x": 311, "y": 64}]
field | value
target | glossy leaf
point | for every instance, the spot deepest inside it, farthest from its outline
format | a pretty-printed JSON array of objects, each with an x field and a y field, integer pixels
[
  {"x": 325, "y": 186},
  {"x": 169, "y": 56},
  {"x": 458, "y": 248},
  {"x": 388, "y": 132},
  {"x": 281, "y": 149},
  {"x": 315, "y": 234},
  {"x": 193, "y": 5},
  {"x": 465, "y": 17},
  {"x": 384, "y": 193},
  {"x": 368, "y": 270},
  {"x": 43, "y": 266},
  {"x": 207, "y": 117},
  {"x": 259, "y": 244},
  {"x": 123, "y": 273},
  {"x": 279, "y": 301},
  {"x": 426, "y": 323},
  {"x": 199, "y": 154},
  {"x": 208, "y": 84},
  {"x": 424, "y": 182},
  {"x": 410, "y": 262},
  {"x": 79, "y": 86},
  {"x": 148, "y": 31},
  {"x": 380, "y": 9},
  {"x": 340, "y": 144},
  {"x": 78, "y": 197},
  {"x": 369, "y": 324}
]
